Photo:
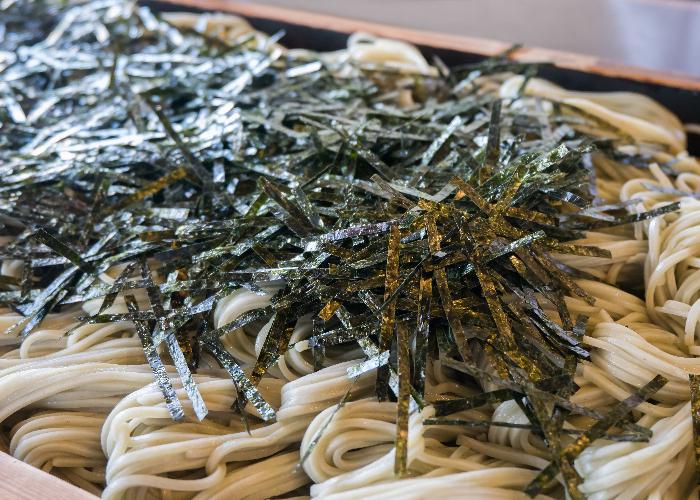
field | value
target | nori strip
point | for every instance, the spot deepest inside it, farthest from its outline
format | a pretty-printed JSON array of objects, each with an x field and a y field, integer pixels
[
  {"x": 479, "y": 424},
  {"x": 388, "y": 318},
  {"x": 441, "y": 281},
  {"x": 370, "y": 364},
  {"x": 60, "y": 248},
  {"x": 695, "y": 415},
  {"x": 116, "y": 287},
  {"x": 597, "y": 430},
  {"x": 403, "y": 399},
  {"x": 420, "y": 357},
  {"x": 183, "y": 371},
  {"x": 432, "y": 150},
  {"x": 242, "y": 382},
  {"x": 162, "y": 380},
  {"x": 493, "y": 144}
]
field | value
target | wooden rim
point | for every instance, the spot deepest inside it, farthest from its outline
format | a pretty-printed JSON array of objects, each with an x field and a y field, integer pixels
[
  {"x": 473, "y": 45},
  {"x": 19, "y": 480}
]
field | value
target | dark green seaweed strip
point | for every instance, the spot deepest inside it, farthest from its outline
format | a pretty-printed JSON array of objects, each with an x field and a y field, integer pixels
[
  {"x": 479, "y": 424},
  {"x": 151, "y": 188},
  {"x": 446, "y": 407},
  {"x": 295, "y": 218},
  {"x": 161, "y": 376},
  {"x": 695, "y": 415},
  {"x": 597, "y": 430},
  {"x": 550, "y": 420},
  {"x": 429, "y": 154},
  {"x": 243, "y": 383},
  {"x": 403, "y": 399},
  {"x": 472, "y": 369},
  {"x": 176, "y": 354},
  {"x": 276, "y": 343},
  {"x": 487, "y": 424},
  {"x": 442, "y": 283},
  {"x": 166, "y": 332},
  {"x": 493, "y": 145},
  {"x": 372, "y": 351},
  {"x": 370, "y": 157},
  {"x": 43, "y": 303},
  {"x": 154, "y": 295},
  {"x": 116, "y": 287},
  {"x": 420, "y": 358},
  {"x": 506, "y": 249},
  {"x": 368, "y": 365},
  {"x": 195, "y": 166},
  {"x": 353, "y": 232},
  {"x": 113, "y": 318},
  {"x": 387, "y": 326},
  {"x": 60, "y": 248}
]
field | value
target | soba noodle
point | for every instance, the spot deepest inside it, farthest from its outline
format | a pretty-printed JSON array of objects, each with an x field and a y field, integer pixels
[{"x": 85, "y": 407}]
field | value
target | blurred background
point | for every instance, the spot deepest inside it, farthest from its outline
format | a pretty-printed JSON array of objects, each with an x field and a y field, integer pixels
[{"x": 655, "y": 34}]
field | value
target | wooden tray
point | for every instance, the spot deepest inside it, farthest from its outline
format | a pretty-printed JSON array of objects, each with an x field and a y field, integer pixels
[
  {"x": 21, "y": 481},
  {"x": 681, "y": 94}
]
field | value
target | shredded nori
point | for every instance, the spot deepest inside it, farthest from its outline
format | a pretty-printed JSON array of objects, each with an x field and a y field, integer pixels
[
  {"x": 695, "y": 414},
  {"x": 419, "y": 234}
]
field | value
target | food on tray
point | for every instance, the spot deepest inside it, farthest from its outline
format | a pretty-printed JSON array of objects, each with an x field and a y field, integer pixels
[{"x": 232, "y": 270}]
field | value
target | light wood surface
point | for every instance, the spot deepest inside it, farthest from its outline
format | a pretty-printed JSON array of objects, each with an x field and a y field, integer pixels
[
  {"x": 19, "y": 481},
  {"x": 473, "y": 45}
]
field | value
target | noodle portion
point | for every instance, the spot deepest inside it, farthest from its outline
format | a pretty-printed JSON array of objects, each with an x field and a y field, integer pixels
[{"x": 79, "y": 398}]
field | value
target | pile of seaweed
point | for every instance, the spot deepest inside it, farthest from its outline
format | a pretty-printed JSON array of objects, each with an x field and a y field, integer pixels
[{"x": 196, "y": 166}]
